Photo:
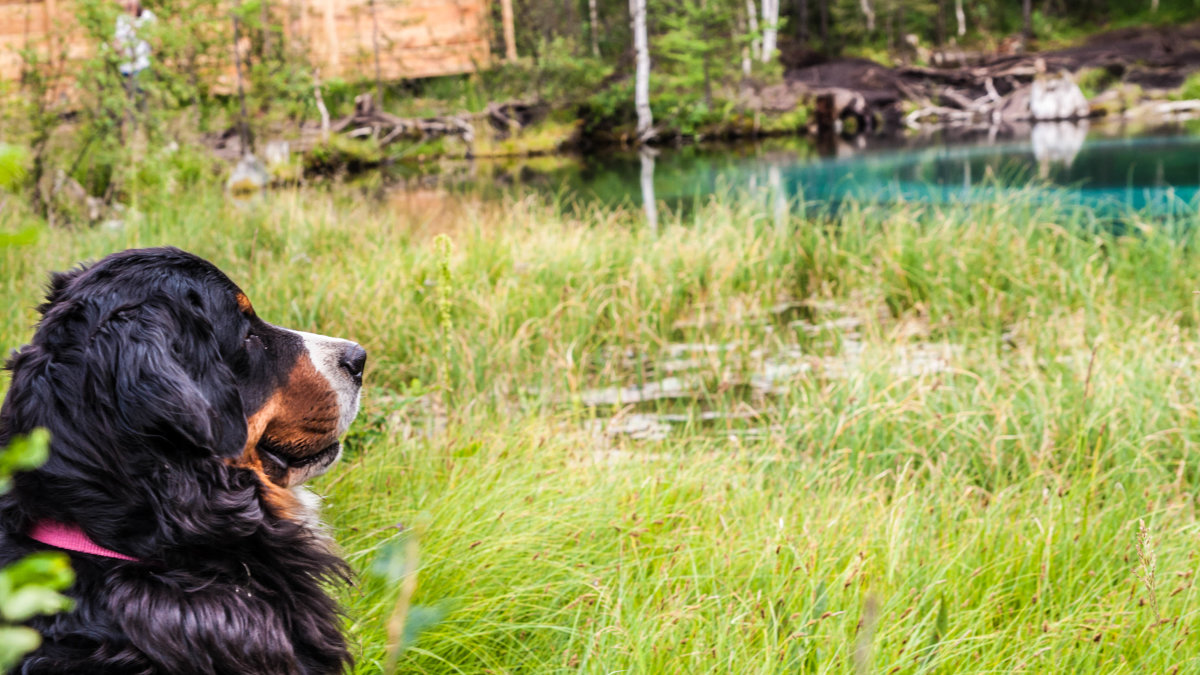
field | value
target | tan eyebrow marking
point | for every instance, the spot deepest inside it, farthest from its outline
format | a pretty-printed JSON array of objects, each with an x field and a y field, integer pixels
[{"x": 244, "y": 305}]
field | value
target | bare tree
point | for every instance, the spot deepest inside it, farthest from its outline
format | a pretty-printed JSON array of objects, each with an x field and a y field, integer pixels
[
  {"x": 594, "y": 27},
  {"x": 641, "y": 91},
  {"x": 770, "y": 10},
  {"x": 510, "y": 33},
  {"x": 868, "y": 12},
  {"x": 1027, "y": 17},
  {"x": 961, "y": 17},
  {"x": 752, "y": 13}
]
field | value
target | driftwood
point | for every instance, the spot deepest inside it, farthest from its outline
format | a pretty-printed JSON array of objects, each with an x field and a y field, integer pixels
[
  {"x": 979, "y": 89},
  {"x": 370, "y": 121},
  {"x": 511, "y": 116}
]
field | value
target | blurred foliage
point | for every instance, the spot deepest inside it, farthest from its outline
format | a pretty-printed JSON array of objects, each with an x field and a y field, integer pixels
[
  {"x": 14, "y": 166},
  {"x": 1190, "y": 88},
  {"x": 31, "y": 586}
]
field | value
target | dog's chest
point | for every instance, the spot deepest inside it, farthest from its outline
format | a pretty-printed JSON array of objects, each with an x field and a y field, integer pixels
[{"x": 310, "y": 511}]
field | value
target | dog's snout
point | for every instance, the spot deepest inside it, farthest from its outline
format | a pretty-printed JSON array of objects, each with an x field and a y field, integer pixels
[{"x": 353, "y": 361}]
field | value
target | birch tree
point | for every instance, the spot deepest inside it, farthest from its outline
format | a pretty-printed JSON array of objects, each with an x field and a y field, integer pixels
[
  {"x": 649, "y": 202},
  {"x": 594, "y": 26},
  {"x": 770, "y": 28},
  {"x": 961, "y": 17},
  {"x": 752, "y": 13},
  {"x": 868, "y": 12},
  {"x": 641, "y": 90}
]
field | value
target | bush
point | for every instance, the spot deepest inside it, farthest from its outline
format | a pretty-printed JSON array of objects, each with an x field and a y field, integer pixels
[
  {"x": 1093, "y": 81},
  {"x": 1191, "y": 87}
]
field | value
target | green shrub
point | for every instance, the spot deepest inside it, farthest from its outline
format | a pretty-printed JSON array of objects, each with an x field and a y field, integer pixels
[
  {"x": 1190, "y": 88},
  {"x": 1093, "y": 81}
]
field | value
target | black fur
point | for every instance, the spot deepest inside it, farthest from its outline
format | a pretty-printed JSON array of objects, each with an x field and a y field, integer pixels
[{"x": 134, "y": 369}]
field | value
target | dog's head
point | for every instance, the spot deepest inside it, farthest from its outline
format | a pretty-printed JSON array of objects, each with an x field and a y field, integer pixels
[{"x": 152, "y": 364}]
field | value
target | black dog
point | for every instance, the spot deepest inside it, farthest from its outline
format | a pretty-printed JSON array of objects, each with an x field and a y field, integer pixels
[{"x": 182, "y": 425}]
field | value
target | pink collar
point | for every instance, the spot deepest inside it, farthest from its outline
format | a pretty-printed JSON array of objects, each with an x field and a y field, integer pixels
[{"x": 71, "y": 538}]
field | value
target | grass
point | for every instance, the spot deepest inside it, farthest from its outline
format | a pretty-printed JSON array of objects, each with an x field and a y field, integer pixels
[{"x": 1023, "y": 499}]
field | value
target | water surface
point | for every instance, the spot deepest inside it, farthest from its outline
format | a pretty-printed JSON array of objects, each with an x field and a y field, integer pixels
[{"x": 1112, "y": 170}]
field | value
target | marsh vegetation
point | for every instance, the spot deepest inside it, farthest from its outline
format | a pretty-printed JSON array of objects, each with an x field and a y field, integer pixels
[{"x": 906, "y": 439}]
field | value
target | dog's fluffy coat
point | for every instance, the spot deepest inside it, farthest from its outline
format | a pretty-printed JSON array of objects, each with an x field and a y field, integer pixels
[{"x": 180, "y": 423}]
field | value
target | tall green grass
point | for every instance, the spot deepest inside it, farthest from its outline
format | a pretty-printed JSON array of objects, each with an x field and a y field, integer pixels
[{"x": 858, "y": 515}]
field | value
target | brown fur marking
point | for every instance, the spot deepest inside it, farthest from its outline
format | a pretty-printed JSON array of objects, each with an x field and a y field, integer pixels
[
  {"x": 303, "y": 415},
  {"x": 243, "y": 304}
]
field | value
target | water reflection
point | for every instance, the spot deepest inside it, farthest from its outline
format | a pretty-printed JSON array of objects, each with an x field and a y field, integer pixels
[
  {"x": 1109, "y": 169},
  {"x": 649, "y": 203},
  {"x": 1057, "y": 143}
]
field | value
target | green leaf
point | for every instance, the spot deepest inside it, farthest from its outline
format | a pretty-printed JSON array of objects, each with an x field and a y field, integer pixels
[
  {"x": 32, "y": 601},
  {"x": 30, "y": 586},
  {"x": 392, "y": 561},
  {"x": 15, "y": 642},
  {"x": 420, "y": 619},
  {"x": 25, "y": 452},
  {"x": 47, "y": 568}
]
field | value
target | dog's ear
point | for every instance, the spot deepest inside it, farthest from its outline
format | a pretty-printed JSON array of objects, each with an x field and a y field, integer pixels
[
  {"x": 162, "y": 365},
  {"x": 59, "y": 282}
]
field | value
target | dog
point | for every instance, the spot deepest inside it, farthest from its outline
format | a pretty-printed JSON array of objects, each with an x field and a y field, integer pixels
[{"x": 182, "y": 429}]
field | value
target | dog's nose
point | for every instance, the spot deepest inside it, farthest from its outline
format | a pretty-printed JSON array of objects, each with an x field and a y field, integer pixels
[{"x": 353, "y": 360}]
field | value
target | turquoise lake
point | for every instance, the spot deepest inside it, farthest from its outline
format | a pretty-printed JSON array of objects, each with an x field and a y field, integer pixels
[{"x": 1111, "y": 170}]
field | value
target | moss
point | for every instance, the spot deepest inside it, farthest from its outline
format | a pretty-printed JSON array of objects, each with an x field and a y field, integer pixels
[
  {"x": 791, "y": 121},
  {"x": 1093, "y": 81},
  {"x": 342, "y": 153},
  {"x": 539, "y": 139}
]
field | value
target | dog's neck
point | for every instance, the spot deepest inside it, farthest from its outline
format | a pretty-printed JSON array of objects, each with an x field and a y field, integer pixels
[{"x": 71, "y": 538}]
